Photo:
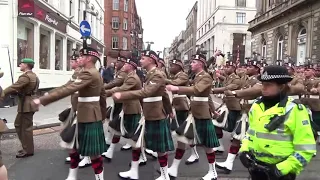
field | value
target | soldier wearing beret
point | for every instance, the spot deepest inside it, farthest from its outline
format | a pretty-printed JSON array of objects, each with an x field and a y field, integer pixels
[
  {"x": 158, "y": 136},
  {"x": 296, "y": 84},
  {"x": 26, "y": 86},
  {"x": 200, "y": 110},
  {"x": 249, "y": 92},
  {"x": 231, "y": 82},
  {"x": 90, "y": 112}
]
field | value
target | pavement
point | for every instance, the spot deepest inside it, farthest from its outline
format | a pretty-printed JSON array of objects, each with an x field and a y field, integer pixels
[{"x": 48, "y": 161}]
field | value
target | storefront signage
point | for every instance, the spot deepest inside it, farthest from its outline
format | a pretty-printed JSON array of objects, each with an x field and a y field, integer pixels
[{"x": 33, "y": 8}]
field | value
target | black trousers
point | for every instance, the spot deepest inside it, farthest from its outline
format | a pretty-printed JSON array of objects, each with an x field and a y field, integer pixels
[{"x": 260, "y": 175}]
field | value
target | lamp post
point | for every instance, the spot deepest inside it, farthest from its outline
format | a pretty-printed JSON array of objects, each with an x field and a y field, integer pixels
[{"x": 149, "y": 44}]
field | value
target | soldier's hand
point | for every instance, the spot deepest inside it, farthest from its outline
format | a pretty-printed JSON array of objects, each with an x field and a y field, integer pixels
[
  {"x": 228, "y": 93},
  {"x": 314, "y": 90},
  {"x": 172, "y": 88},
  {"x": 46, "y": 93},
  {"x": 116, "y": 96},
  {"x": 171, "y": 115}
]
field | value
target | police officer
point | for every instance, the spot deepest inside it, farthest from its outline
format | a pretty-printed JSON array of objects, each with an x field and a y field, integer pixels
[
  {"x": 279, "y": 141},
  {"x": 25, "y": 88}
]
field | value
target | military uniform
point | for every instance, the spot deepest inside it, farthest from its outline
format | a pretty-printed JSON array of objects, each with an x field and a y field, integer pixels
[
  {"x": 25, "y": 88},
  {"x": 180, "y": 102},
  {"x": 91, "y": 104}
]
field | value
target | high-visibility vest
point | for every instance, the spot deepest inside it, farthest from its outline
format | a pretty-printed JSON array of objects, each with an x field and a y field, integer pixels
[{"x": 291, "y": 146}]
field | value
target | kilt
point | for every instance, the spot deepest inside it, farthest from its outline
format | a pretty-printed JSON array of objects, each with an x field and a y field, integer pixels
[
  {"x": 158, "y": 136},
  {"x": 206, "y": 133},
  {"x": 131, "y": 121},
  {"x": 182, "y": 116},
  {"x": 233, "y": 117},
  {"x": 91, "y": 139}
]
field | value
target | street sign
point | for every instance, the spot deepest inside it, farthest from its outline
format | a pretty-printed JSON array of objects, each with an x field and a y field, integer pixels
[{"x": 85, "y": 29}]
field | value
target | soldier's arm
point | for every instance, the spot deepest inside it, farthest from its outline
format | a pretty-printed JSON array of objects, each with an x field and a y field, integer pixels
[
  {"x": 103, "y": 102},
  {"x": 181, "y": 80},
  {"x": 127, "y": 85},
  {"x": 118, "y": 81},
  {"x": 303, "y": 142},
  {"x": 297, "y": 88},
  {"x": 84, "y": 79},
  {"x": 198, "y": 88},
  {"x": 252, "y": 92},
  {"x": 17, "y": 86},
  {"x": 147, "y": 91},
  {"x": 235, "y": 85}
]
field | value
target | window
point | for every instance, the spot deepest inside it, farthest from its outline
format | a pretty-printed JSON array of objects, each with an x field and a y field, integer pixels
[
  {"x": 115, "y": 4},
  {"x": 115, "y": 42},
  {"x": 241, "y": 3},
  {"x": 71, "y": 8},
  {"x": 280, "y": 48},
  {"x": 125, "y": 24},
  {"x": 264, "y": 49},
  {"x": 69, "y": 54},
  {"x": 58, "y": 53},
  {"x": 124, "y": 43},
  {"x": 115, "y": 22},
  {"x": 24, "y": 40},
  {"x": 241, "y": 18},
  {"x": 44, "y": 52},
  {"x": 209, "y": 25},
  {"x": 126, "y": 5}
]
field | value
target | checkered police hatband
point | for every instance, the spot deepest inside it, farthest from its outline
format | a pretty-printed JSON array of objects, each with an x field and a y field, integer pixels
[{"x": 265, "y": 76}]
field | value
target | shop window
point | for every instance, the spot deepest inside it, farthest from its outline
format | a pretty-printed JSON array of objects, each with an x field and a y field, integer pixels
[
  {"x": 59, "y": 53},
  {"x": 44, "y": 61},
  {"x": 280, "y": 48},
  {"x": 69, "y": 54},
  {"x": 24, "y": 40}
]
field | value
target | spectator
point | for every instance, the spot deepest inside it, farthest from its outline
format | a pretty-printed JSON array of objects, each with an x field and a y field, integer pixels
[{"x": 108, "y": 73}]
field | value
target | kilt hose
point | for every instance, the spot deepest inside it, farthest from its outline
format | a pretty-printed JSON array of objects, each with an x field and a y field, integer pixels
[
  {"x": 206, "y": 133},
  {"x": 158, "y": 136},
  {"x": 131, "y": 121},
  {"x": 233, "y": 117},
  {"x": 91, "y": 139},
  {"x": 182, "y": 116}
]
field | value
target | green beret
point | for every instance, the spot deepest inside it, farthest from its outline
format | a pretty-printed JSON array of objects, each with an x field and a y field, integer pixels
[{"x": 27, "y": 61}]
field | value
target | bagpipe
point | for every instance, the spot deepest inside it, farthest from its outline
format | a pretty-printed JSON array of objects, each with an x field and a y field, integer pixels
[
  {"x": 69, "y": 132},
  {"x": 186, "y": 132}
]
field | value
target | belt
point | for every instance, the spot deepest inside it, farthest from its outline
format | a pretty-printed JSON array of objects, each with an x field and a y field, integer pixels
[
  {"x": 294, "y": 97},
  {"x": 89, "y": 99},
  {"x": 179, "y": 96},
  {"x": 203, "y": 99},
  {"x": 251, "y": 101},
  {"x": 152, "y": 99},
  {"x": 314, "y": 97},
  {"x": 77, "y": 92}
]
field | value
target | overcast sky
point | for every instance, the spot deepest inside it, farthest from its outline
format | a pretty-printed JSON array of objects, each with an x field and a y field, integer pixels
[{"x": 163, "y": 20}]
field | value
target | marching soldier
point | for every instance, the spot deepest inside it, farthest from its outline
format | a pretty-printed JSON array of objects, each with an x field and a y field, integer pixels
[
  {"x": 279, "y": 142},
  {"x": 251, "y": 90},
  {"x": 205, "y": 131},
  {"x": 296, "y": 85},
  {"x": 162, "y": 67},
  {"x": 241, "y": 72},
  {"x": 26, "y": 86},
  {"x": 90, "y": 112},
  {"x": 232, "y": 82},
  {"x": 158, "y": 136}
]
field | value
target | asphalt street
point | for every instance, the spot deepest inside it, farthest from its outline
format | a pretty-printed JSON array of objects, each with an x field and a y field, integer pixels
[{"x": 48, "y": 161}]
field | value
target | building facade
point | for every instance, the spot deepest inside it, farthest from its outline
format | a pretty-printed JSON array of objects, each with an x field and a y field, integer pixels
[
  {"x": 223, "y": 25},
  {"x": 191, "y": 33},
  {"x": 46, "y": 31},
  {"x": 122, "y": 29},
  {"x": 287, "y": 30}
]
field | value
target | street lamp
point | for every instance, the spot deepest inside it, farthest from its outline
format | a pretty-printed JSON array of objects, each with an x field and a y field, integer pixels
[{"x": 149, "y": 44}]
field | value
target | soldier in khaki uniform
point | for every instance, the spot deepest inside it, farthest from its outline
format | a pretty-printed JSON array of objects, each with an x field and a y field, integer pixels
[
  {"x": 25, "y": 88},
  {"x": 249, "y": 92},
  {"x": 90, "y": 108},
  {"x": 3, "y": 128},
  {"x": 200, "y": 110},
  {"x": 158, "y": 136},
  {"x": 296, "y": 84},
  {"x": 162, "y": 67},
  {"x": 231, "y": 82}
]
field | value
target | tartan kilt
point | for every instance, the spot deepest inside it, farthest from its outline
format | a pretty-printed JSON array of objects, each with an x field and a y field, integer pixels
[
  {"x": 131, "y": 121},
  {"x": 182, "y": 116},
  {"x": 91, "y": 139},
  {"x": 206, "y": 133},
  {"x": 158, "y": 136}
]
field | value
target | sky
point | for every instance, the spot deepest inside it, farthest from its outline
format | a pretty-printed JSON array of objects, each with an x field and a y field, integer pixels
[{"x": 163, "y": 20}]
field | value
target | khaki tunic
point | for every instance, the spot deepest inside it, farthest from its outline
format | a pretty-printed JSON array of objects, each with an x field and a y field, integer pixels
[
  {"x": 131, "y": 82},
  {"x": 308, "y": 98},
  {"x": 27, "y": 83},
  {"x": 180, "y": 79},
  {"x": 201, "y": 88},
  {"x": 89, "y": 83},
  {"x": 154, "y": 86},
  {"x": 120, "y": 76}
]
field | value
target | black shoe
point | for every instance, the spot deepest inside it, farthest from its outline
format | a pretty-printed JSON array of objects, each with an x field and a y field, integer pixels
[{"x": 191, "y": 162}]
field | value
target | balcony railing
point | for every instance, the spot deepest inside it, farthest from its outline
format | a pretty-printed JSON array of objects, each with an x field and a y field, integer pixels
[{"x": 278, "y": 9}]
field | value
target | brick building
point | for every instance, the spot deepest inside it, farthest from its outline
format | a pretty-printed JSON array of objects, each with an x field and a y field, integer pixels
[
  {"x": 287, "y": 29},
  {"x": 122, "y": 29},
  {"x": 191, "y": 33}
]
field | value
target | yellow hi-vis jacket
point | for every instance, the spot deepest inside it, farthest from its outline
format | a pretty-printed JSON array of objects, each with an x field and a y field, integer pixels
[{"x": 291, "y": 146}]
